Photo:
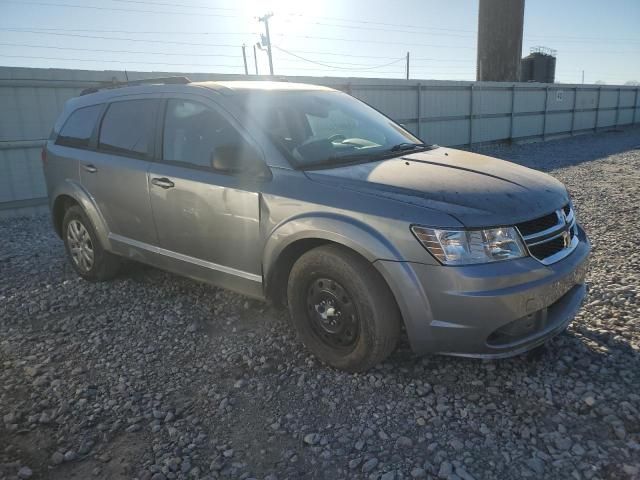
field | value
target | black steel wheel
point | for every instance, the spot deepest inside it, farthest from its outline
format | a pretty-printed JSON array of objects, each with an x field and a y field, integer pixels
[
  {"x": 342, "y": 309},
  {"x": 332, "y": 313}
]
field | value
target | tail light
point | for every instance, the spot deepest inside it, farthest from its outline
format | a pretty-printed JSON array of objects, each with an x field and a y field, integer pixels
[{"x": 43, "y": 155}]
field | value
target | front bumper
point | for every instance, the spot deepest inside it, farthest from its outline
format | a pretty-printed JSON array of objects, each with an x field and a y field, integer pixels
[{"x": 489, "y": 311}]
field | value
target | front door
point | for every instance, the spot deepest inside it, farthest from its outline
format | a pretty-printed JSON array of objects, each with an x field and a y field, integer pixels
[{"x": 208, "y": 222}]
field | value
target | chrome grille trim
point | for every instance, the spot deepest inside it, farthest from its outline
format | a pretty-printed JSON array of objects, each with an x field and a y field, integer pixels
[
  {"x": 547, "y": 235},
  {"x": 565, "y": 227},
  {"x": 560, "y": 225}
]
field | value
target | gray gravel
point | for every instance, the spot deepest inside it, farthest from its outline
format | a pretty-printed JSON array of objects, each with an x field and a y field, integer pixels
[{"x": 153, "y": 376}]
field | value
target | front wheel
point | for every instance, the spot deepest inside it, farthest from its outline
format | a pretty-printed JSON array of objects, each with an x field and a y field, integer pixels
[{"x": 342, "y": 309}]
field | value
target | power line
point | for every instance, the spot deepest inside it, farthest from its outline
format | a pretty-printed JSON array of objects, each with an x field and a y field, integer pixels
[
  {"x": 181, "y": 54},
  {"x": 205, "y": 7},
  {"x": 382, "y": 42},
  {"x": 179, "y": 43},
  {"x": 40, "y": 30},
  {"x": 129, "y": 39},
  {"x": 115, "y": 9},
  {"x": 333, "y": 66},
  {"x": 176, "y": 64},
  {"x": 366, "y": 65},
  {"x": 409, "y": 45},
  {"x": 452, "y": 60},
  {"x": 135, "y": 32},
  {"x": 369, "y": 22},
  {"x": 362, "y": 22},
  {"x": 119, "y": 61},
  {"x": 395, "y": 30},
  {"x": 343, "y": 54},
  {"x": 355, "y": 70}
]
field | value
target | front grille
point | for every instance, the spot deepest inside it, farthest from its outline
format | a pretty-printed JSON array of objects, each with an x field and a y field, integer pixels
[
  {"x": 551, "y": 237},
  {"x": 538, "y": 224},
  {"x": 547, "y": 249}
]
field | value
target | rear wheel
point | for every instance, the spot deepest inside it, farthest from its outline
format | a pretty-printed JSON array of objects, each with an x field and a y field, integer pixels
[
  {"x": 88, "y": 258},
  {"x": 342, "y": 309}
]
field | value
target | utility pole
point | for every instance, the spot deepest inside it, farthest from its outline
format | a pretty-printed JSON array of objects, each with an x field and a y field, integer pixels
[
  {"x": 407, "y": 65},
  {"x": 265, "y": 19},
  {"x": 583, "y": 77},
  {"x": 244, "y": 57},
  {"x": 255, "y": 58}
]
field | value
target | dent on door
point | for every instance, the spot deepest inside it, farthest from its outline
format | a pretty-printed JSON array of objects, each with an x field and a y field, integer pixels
[{"x": 205, "y": 223}]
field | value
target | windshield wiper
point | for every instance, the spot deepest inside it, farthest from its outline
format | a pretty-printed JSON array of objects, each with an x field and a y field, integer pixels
[
  {"x": 338, "y": 160},
  {"x": 401, "y": 147},
  {"x": 364, "y": 156}
]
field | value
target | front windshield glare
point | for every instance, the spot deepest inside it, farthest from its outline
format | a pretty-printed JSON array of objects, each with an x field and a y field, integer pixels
[{"x": 321, "y": 128}]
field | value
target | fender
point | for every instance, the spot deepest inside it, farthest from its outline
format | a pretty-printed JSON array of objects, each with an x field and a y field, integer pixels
[
  {"x": 369, "y": 243},
  {"x": 341, "y": 229},
  {"x": 73, "y": 189}
]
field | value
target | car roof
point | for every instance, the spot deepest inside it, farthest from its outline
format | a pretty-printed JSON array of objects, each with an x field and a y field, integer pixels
[
  {"x": 260, "y": 85},
  {"x": 221, "y": 87}
]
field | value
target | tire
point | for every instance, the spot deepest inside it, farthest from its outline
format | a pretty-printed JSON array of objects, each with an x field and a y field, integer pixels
[
  {"x": 352, "y": 335},
  {"x": 86, "y": 255}
]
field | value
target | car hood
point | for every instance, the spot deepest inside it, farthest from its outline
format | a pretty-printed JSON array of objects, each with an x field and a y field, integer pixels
[{"x": 477, "y": 190}]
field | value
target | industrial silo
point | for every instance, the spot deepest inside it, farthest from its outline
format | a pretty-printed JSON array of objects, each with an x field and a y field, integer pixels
[
  {"x": 500, "y": 24},
  {"x": 539, "y": 66}
]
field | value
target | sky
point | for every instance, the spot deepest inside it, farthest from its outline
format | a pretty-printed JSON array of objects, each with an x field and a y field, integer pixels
[{"x": 358, "y": 38}]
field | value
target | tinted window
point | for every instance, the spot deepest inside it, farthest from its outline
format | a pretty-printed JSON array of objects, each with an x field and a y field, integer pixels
[
  {"x": 127, "y": 127},
  {"x": 79, "y": 126},
  {"x": 192, "y": 132}
]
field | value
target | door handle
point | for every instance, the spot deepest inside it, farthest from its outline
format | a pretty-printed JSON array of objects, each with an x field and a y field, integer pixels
[
  {"x": 163, "y": 182},
  {"x": 90, "y": 168}
]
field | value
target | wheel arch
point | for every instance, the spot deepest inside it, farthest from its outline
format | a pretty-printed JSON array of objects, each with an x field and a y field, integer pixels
[
  {"x": 60, "y": 206},
  {"x": 72, "y": 193},
  {"x": 292, "y": 239}
]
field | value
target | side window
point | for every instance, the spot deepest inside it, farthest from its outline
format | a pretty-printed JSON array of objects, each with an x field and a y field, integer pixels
[
  {"x": 127, "y": 127},
  {"x": 193, "y": 132},
  {"x": 77, "y": 130}
]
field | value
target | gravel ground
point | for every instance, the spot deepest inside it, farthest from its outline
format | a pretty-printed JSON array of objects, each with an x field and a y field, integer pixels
[{"x": 153, "y": 376}]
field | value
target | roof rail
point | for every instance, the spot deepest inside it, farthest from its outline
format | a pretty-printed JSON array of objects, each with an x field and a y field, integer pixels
[{"x": 144, "y": 81}]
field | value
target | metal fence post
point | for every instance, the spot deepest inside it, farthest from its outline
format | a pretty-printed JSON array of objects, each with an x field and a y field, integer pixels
[
  {"x": 471, "y": 114},
  {"x": 419, "y": 109},
  {"x": 546, "y": 107},
  {"x": 618, "y": 109},
  {"x": 573, "y": 112},
  {"x": 513, "y": 106},
  {"x": 595, "y": 127}
]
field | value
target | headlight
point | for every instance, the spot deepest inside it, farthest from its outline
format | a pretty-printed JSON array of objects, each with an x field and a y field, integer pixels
[{"x": 464, "y": 247}]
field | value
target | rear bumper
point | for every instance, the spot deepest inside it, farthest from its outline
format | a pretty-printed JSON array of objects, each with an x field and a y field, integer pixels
[{"x": 488, "y": 311}]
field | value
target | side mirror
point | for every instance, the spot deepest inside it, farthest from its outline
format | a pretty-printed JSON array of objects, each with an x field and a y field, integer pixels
[{"x": 237, "y": 159}]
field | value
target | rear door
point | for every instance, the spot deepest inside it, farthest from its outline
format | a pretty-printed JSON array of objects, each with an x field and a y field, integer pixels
[
  {"x": 116, "y": 173},
  {"x": 75, "y": 140},
  {"x": 207, "y": 221}
]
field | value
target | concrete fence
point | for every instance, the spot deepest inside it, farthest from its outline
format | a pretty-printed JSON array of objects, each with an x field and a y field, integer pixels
[{"x": 444, "y": 112}]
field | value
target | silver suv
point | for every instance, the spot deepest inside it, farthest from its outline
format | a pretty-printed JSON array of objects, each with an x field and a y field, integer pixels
[{"x": 306, "y": 196}]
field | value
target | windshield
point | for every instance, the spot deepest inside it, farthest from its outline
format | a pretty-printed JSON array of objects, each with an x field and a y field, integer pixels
[{"x": 322, "y": 128}]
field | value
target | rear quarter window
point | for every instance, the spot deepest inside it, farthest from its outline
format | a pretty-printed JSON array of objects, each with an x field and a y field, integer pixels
[{"x": 77, "y": 130}]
